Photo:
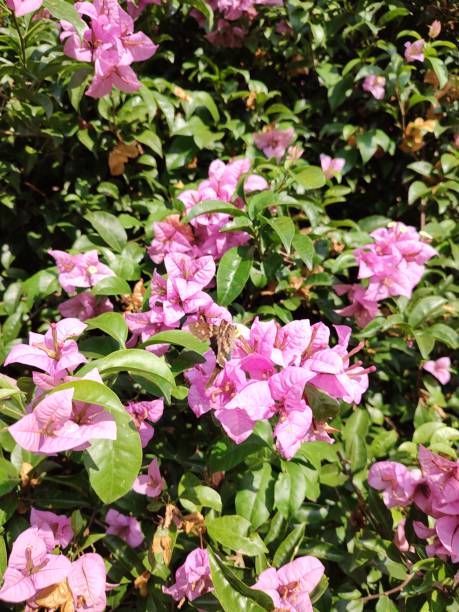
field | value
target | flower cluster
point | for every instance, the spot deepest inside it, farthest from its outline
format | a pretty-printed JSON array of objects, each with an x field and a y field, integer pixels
[
  {"x": 81, "y": 271},
  {"x": 203, "y": 235},
  {"x": 393, "y": 264},
  {"x": 36, "y": 574},
  {"x": 192, "y": 578},
  {"x": 434, "y": 489},
  {"x": 266, "y": 376},
  {"x": 110, "y": 43}
]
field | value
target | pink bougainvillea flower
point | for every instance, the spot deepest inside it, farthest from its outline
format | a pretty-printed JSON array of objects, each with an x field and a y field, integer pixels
[
  {"x": 48, "y": 429},
  {"x": 331, "y": 166},
  {"x": 82, "y": 270},
  {"x": 31, "y": 568},
  {"x": 414, "y": 51},
  {"x": 447, "y": 529},
  {"x": 141, "y": 413},
  {"x": 439, "y": 368},
  {"x": 85, "y": 306},
  {"x": 87, "y": 581},
  {"x": 434, "y": 29},
  {"x": 440, "y": 493},
  {"x": 290, "y": 586},
  {"x": 170, "y": 236},
  {"x": 23, "y": 7},
  {"x": 94, "y": 423},
  {"x": 125, "y": 527},
  {"x": 192, "y": 273},
  {"x": 361, "y": 308},
  {"x": 151, "y": 484},
  {"x": 400, "y": 540},
  {"x": 59, "y": 524},
  {"x": 292, "y": 429},
  {"x": 396, "y": 481},
  {"x": 375, "y": 85},
  {"x": 55, "y": 352},
  {"x": 192, "y": 579},
  {"x": 274, "y": 142}
]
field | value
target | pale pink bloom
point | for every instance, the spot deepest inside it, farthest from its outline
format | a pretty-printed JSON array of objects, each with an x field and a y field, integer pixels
[
  {"x": 290, "y": 586},
  {"x": 274, "y": 142},
  {"x": 94, "y": 423},
  {"x": 82, "y": 270},
  {"x": 59, "y": 524},
  {"x": 23, "y": 7},
  {"x": 291, "y": 342},
  {"x": 192, "y": 578},
  {"x": 400, "y": 540},
  {"x": 190, "y": 274},
  {"x": 361, "y": 308},
  {"x": 440, "y": 495},
  {"x": 85, "y": 306},
  {"x": 144, "y": 413},
  {"x": 331, "y": 166},
  {"x": 125, "y": 527},
  {"x": 292, "y": 430},
  {"x": 87, "y": 581},
  {"x": 434, "y": 29},
  {"x": 151, "y": 484},
  {"x": 375, "y": 85},
  {"x": 54, "y": 352},
  {"x": 31, "y": 568},
  {"x": 48, "y": 429},
  {"x": 414, "y": 51},
  {"x": 439, "y": 368},
  {"x": 396, "y": 481}
]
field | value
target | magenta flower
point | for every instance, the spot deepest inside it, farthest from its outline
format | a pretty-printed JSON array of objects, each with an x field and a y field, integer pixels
[
  {"x": 48, "y": 429},
  {"x": 85, "y": 306},
  {"x": 55, "y": 352},
  {"x": 190, "y": 274},
  {"x": 170, "y": 236},
  {"x": 31, "y": 568},
  {"x": 23, "y": 7},
  {"x": 396, "y": 481},
  {"x": 141, "y": 412},
  {"x": 447, "y": 529},
  {"x": 151, "y": 484},
  {"x": 82, "y": 270},
  {"x": 414, "y": 52},
  {"x": 361, "y": 308},
  {"x": 400, "y": 540},
  {"x": 331, "y": 166},
  {"x": 375, "y": 85},
  {"x": 290, "y": 586},
  {"x": 439, "y": 368},
  {"x": 440, "y": 495},
  {"x": 125, "y": 527},
  {"x": 192, "y": 579},
  {"x": 87, "y": 581},
  {"x": 273, "y": 142},
  {"x": 59, "y": 525}
]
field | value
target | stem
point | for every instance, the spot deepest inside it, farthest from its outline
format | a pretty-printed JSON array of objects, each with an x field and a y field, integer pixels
[
  {"x": 396, "y": 589},
  {"x": 21, "y": 39}
]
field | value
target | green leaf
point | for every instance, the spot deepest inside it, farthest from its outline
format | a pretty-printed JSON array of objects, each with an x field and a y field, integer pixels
[
  {"x": 111, "y": 323},
  {"x": 304, "y": 247},
  {"x": 232, "y": 593},
  {"x": 206, "y": 10},
  {"x": 424, "y": 309},
  {"x": 180, "y": 338},
  {"x": 194, "y": 495},
  {"x": 137, "y": 361},
  {"x": 425, "y": 342},
  {"x": 449, "y": 162},
  {"x": 288, "y": 548},
  {"x": 232, "y": 531},
  {"x": 290, "y": 488},
  {"x": 232, "y": 274},
  {"x": 124, "y": 554},
  {"x": 225, "y": 455},
  {"x": 252, "y": 498},
  {"x": 356, "y": 452},
  {"x": 311, "y": 177},
  {"x": 3, "y": 556},
  {"x": 112, "y": 285},
  {"x": 441, "y": 71},
  {"x": 62, "y": 10},
  {"x": 112, "y": 465},
  {"x": 213, "y": 206},
  {"x": 109, "y": 229},
  {"x": 322, "y": 405},
  {"x": 285, "y": 229},
  {"x": 8, "y": 476},
  {"x": 417, "y": 190}
]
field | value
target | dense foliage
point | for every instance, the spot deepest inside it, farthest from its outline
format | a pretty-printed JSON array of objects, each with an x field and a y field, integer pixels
[{"x": 229, "y": 305}]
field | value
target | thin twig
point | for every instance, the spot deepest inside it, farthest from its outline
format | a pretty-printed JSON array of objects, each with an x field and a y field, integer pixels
[{"x": 396, "y": 589}]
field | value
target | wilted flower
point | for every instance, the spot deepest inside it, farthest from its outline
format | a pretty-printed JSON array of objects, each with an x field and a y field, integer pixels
[{"x": 434, "y": 29}]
